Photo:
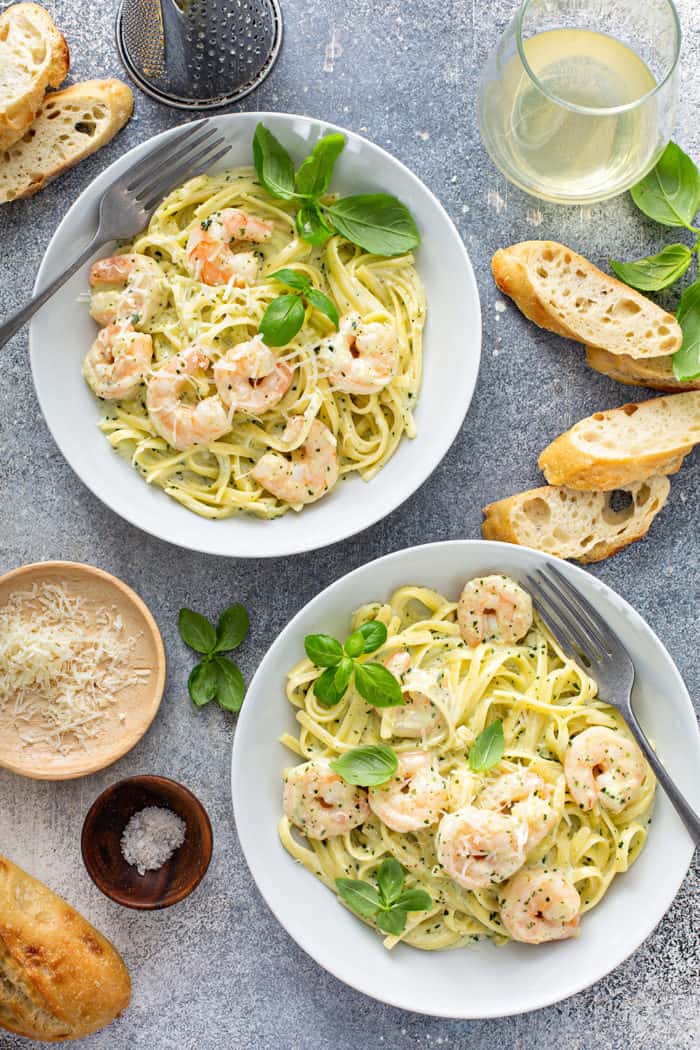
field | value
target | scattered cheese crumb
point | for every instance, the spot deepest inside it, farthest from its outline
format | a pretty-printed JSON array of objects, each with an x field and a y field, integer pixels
[{"x": 151, "y": 837}]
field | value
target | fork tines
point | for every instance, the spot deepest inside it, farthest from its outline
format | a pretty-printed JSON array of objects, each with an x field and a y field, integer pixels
[{"x": 198, "y": 147}]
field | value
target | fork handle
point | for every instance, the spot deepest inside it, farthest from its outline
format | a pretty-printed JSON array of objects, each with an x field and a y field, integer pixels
[
  {"x": 17, "y": 320},
  {"x": 683, "y": 808}
]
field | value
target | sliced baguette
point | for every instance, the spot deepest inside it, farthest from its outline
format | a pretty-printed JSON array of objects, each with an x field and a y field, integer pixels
[
  {"x": 563, "y": 292},
  {"x": 612, "y": 449},
  {"x": 586, "y": 526},
  {"x": 654, "y": 372},
  {"x": 71, "y": 125},
  {"x": 33, "y": 57}
]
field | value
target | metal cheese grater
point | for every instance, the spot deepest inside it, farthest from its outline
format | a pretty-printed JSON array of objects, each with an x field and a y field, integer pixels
[{"x": 198, "y": 54}]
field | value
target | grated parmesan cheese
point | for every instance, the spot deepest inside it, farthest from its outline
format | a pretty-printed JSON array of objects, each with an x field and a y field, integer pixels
[{"x": 63, "y": 663}]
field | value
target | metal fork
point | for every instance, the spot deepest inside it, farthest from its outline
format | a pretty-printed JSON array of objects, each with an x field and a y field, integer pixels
[
  {"x": 584, "y": 636},
  {"x": 129, "y": 201}
]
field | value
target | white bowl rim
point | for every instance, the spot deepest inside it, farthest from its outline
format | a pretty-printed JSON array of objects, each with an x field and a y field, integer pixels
[
  {"x": 223, "y": 543},
  {"x": 360, "y": 982}
]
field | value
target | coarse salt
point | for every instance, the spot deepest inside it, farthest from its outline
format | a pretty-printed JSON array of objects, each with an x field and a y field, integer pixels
[{"x": 151, "y": 837}]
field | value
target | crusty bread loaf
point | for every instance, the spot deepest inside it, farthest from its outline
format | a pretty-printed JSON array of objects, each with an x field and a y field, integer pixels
[
  {"x": 563, "y": 292},
  {"x": 612, "y": 449},
  {"x": 587, "y": 526},
  {"x": 654, "y": 372},
  {"x": 59, "y": 978},
  {"x": 71, "y": 125},
  {"x": 33, "y": 57}
]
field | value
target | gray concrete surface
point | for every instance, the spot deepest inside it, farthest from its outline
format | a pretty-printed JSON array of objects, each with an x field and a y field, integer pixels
[{"x": 218, "y": 971}]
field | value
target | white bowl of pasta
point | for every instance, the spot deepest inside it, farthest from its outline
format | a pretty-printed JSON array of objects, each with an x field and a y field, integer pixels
[
  {"x": 239, "y": 439},
  {"x": 522, "y": 956}
]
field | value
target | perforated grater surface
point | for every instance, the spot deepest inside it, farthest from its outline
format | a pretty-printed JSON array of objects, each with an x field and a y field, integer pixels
[{"x": 198, "y": 54}]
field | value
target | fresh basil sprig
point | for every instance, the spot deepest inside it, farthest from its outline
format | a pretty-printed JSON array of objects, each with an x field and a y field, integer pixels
[
  {"x": 487, "y": 750},
  {"x": 285, "y": 315},
  {"x": 367, "y": 766},
  {"x": 670, "y": 194},
  {"x": 215, "y": 676},
  {"x": 388, "y": 904},
  {"x": 376, "y": 222},
  {"x": 373, "y": 681}
]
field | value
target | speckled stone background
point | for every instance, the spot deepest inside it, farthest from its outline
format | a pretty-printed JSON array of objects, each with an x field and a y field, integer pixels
[{"x": 218, "y": 971}]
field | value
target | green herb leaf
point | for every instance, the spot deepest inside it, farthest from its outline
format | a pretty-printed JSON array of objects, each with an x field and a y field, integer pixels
[
  {"x": 323, "y": 304},
  {"x": 273, "y": 164},
  {"x": 323, "y": 650},
  {"x": 390, "y": 879},
  {"x": 360, "y": 896},
  {"x": 311, "y": 225},
  {"x": 354, "y": 644},
  {"x": 374, "y": 633},
  {"x": 282, "y": 320},
  {"x": 367, "y": 766},
  {"x": 202, "y": 683},
  {"x": 393, "y": 921},
  {"x": 686, "y": 361},
  {"x": 314, "y": 175},
  {"x": 377, "y": 222},
  {"x": 343, "y": 674},
  {"x": 196, "y": 631},
  {"x": 325, "y": 689},
  {"x": 293, "y": 279},
  {"x": 232, "y": 628},
  {"x": 487, "y": 750},
  {"x": 230, "y": 686},
  {"x": 654, "y": 272},
  {"x": 415, "y": 900},
  {"x": 670, "y": 192},
  {"x": 377, "y": 685}
]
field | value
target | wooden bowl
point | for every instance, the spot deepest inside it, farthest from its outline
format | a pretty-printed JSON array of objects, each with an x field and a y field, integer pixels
[
  {"x": 101, "y": 844},
  {"x": 123, "y": 723}
]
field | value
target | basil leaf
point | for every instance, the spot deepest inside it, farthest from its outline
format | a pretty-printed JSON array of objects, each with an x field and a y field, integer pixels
[
  {"x": 293, "y": 279},
  {"x": 374, "y": 633},
  {"x": 377, "y": 685},
  {"x": 321, "y": 302},
  {"x": 354, "y": 644},
  {"x": 232, "y": 628},
  {"x": 282, "y": 320},
  {"x": 343, "y": 674},
  {"x": 325, "y": 689},
  {"x": 230, "y": 687},
  {"x": 311, "y": 225},
  {"x": 359, "y": 896},
  {"x": 487, "y": 750},
  {"x": 654, "y": 272},
  {"x": 415, "y": 900},
  {"x": 686, "y": 361},
  {"x": 393, "y": 921},
  {"x": 196, "y": 631},
  {"x": 323, "y": 650},
  {"x": 273, "y": 164},
  {"x": 367, "y": 766},
  {"x": 390, "y": 879},
  {"x": 670, "y": 192},
  {"x": 202, "y": 683},
  {"x": 377, "y": 222},
  {"x": 314, "y": 175}
]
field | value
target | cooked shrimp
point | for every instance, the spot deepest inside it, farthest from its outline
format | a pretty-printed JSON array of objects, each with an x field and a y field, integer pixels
[
  {"x": 493, "y": 609},
  {"x": 320, "y": 802},
  {"x": 360, "y": 358},
  {"x": 210, "y": 254},
  {"x": 525, "y": 796},
  {"x": 250, "y": 379},
  {"x": 480, "y": 847},
  {"x": 415, "y": 797},
  {"x": 539, "y": 905},
  {"x": 309, "y": 473},
  {"x": 183, "y": 423},
  {"x": 117, "y": 362},
  {"x": 126, "y": 288},
  {"x": 418, "y": 716},
  {"x": 603, "y": 766}
]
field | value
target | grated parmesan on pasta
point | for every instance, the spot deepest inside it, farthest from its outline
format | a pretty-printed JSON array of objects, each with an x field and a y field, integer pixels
[{"x": 63, "y": 663}]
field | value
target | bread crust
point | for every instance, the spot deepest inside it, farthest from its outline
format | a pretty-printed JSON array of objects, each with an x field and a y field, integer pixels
[
  {"x": 59, "y": 978},
  {"x": 654, "y": 372}
]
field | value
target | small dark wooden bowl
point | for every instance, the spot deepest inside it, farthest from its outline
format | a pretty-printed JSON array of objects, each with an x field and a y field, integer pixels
[{"x": 101, "y": 844}]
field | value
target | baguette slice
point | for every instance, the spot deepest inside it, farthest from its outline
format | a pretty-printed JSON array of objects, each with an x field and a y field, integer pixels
[
  {"x": 33, "y": 56},
  {"x": 59, "y": 978},
  {"x": 563, "y": 292},
  {"x": 71, "y": 125},
  {"x": 586, "y": 526},
  {"x": 654, "y": 372},
  {"x": 612, "y": 449}
]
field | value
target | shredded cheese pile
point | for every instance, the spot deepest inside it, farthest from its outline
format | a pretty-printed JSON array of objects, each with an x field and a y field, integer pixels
[{"x": 63, "y": 663}]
